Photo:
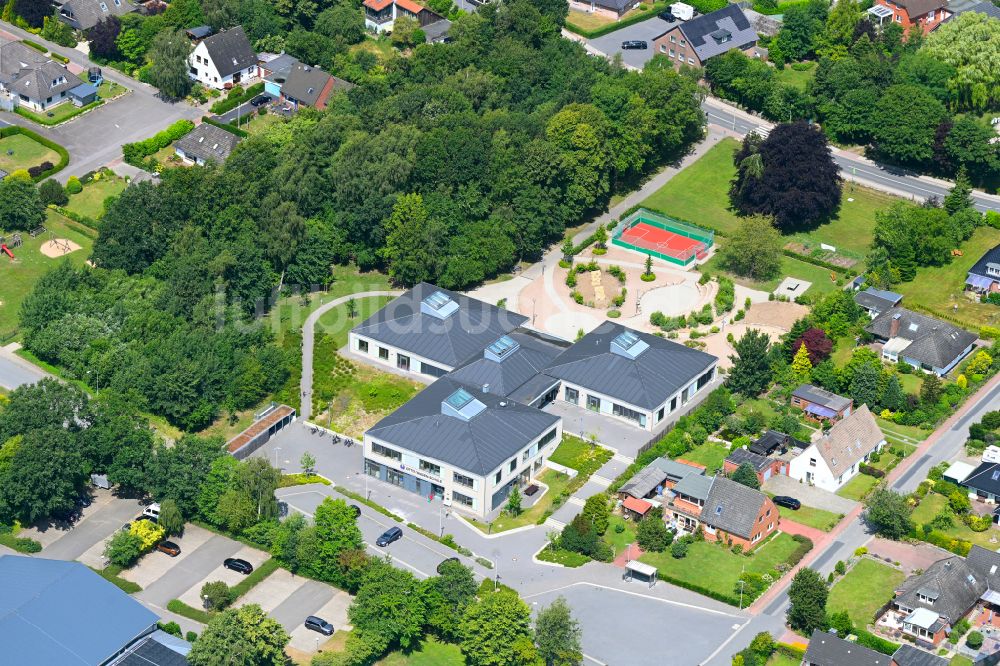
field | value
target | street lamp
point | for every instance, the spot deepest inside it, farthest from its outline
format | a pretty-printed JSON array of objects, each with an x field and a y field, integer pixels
[
  {"x": 98, "y": 373},
  {"x": 276, "y": 449}
]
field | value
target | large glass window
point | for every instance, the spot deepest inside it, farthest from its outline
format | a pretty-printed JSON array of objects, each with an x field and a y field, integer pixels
[
  {"x": 403, "y": 362},
  {"x": 629, "y": 414},
  {"x": 572, "y": 395},
  {"x": 430, "y": 468},
  {"x": 464, "y": 500},
  {"x": 432, "y": 370},
  {"x": 547, "y": 437},
  {"x": 394, "y": 477},
  {"x": 386, "y": 451},
  {"x": 463, "y": 480},
  {"x": 593, "y": 403}
]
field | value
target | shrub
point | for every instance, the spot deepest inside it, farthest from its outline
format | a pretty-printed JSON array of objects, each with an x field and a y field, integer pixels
[
  {"x": 148, "y": 533},
  {"x": 134, "y": 153},
  {"x": 123, "y": 549},
  {"x": 51, "y": 191},
  {"x": 190, "y": 637},
  {"x": 171, "y": 628},
  {"x": 73, "y": 185},
  {"x": 974, "y": 640},
  {"x": 679, "y": 548},
  {"x": 236, "y": 97},
  {"x": 217, "y": 595}
]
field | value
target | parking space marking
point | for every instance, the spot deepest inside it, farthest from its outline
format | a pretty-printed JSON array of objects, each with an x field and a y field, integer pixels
[
  {"x": 671, "y": 602},
  {"x": 155, "y": 565}
]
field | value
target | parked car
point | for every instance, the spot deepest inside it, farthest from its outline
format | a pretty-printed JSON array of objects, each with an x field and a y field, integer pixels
[
  {"x": 84, "y": 501},
  {"x": 260, "y": 99},
  {"x": 356, "y": 509},
  {"x": 144, "y": 517},
  {"x": 152, "y": 511},
  {"x": 667, "y": 16},
  {"x": 444, "y": 562},
  {"x": 238, "y": 565},
  {"x": 169, "y": 547},
  {"x": 320, "y": 625},
  {"x": 787, "y": 502},
  {"x": 390, "y": 535},
  {"x": 634, "y": 44}
]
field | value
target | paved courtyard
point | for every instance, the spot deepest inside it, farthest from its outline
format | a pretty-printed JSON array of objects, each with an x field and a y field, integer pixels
[
  {"x": 809, "y": 495},
  {"x": 611, "y": 44}
]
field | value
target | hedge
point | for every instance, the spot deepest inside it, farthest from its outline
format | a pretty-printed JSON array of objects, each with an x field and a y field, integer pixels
[
  {"x": 618, "y": 25},
  {"x": 256, "y": 576},
  {"x": 230, "y": 103},
  {"x": 877, "y": 643},
  {"x": 35, "y": 45},
  {"x": 110, "y": 574},
  {"x": 49, "y": 122},
  {"x": 780, "y": 9},
  {"x": 372, "y": 505},
  {"x": 191, "y": 613},
  {"x": 225, "y": 126},
  {"x": 816, "y": 262},
  {"x": 20, "y": 544},
  {"x": 135, "y": 153},
  {"x": 63, "y": 59},
  {"x": 51, "y": 145},
  {"x": 792, "y": 651},
  {"x": 730, "y": 599},
  {"x": 871, "y": 471},
  {"x": 805, "y": 545}
]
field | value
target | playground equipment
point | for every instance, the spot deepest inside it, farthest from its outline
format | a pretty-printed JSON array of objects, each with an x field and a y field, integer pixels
[
  {"x": 6, "y": 250},
  {"x": 37, "y": 232}
]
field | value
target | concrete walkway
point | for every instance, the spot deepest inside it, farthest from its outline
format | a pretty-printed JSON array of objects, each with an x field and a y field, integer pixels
[{"x": 309, "y": 339}]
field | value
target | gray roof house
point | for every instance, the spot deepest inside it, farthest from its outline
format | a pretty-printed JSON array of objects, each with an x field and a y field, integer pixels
[
  {"x": 644, "y": 483},
  {"x": 230, "y": 51},
  {"x": 676, "y": 470},
  {"x": 733, "y": 507},
  {"x": 921, "y": 341},
  {"x": 875, "y": 301},
  {"x": 820, "y": 403},
  {"x": 940, "y": 596},
  {"x": 908, "y": 655},
  {"x": 56, "y": 612},
  {"x": 206, "y": 143},
  {"x": 984, "y": 276},
  {"x": 442, "y": 326},
  {"x": 85, "y": 14},
  {"x": 480, "y": 435},
  {"x": 755, "y": 460},
  {"x": 849, "y": 441},
  {"x": 311, "y": 86},
  {"x": 32, "y": 77},
  {"x": 718, "y": 32},
  {"x": 827, "y": 649},
  {"x": 695, "y": 486},
  {"x": 637, "y": 368}
]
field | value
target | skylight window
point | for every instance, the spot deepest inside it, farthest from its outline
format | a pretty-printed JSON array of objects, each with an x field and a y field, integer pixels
[
  {"x": 501, "y": 349},
  {"x": 459, "y": 398},
  {"x": 461, "y": 405},
  {"x": 439, "y": 305},
  {"x": 104, "y": 7},
  {"x": 628, "y": 344}
]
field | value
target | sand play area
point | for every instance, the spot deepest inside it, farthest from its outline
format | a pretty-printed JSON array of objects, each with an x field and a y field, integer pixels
[{"x": 58, "y": 247}]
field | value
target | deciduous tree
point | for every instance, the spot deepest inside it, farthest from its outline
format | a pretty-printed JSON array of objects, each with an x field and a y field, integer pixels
[
  {"x": 169, "y": 72},
  {"x": 754, "y": 249},
  {"x": 807, "y": 594},
  {"x": 751, "y": 371},
  {"x": 243, "y": 636},
  {"x": 746, "y": 475},
  {"x": 887, "y": 513},
  {"x": 558, "y": 634},
  {"x": 21, "y": 209},
  {"x": 103, "y": 37},
  {"x": 496, "y": 631}
]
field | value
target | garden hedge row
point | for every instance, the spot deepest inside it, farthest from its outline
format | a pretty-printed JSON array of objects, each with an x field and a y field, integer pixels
[
  {"x": 225, "y": 126},
  {"x": 135, "y": 153},
  {"x": 230, "y": 103},
  {"x": 50, "y": 122},
  {"x": 35, "y": 45},
  {"x": 51, "y": 145},
  {"x": 730, "y": 599}
]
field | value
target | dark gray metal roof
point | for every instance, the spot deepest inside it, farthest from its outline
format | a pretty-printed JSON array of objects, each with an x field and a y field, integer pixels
[
  {"x": 199, "y": 32},
  {"x": 909, "y": 655},
  {"x": 451, "y": 341},
  {"x": 987, "y": 563},
  {"x": 932, "y": 341},
  {"x": 877, "y": 300},
  {"x": 208, "y": 142},
  {"x": 478, "y": 445},
  {"x": 732, "y": 507},
  {"x": 991, "y": 256},
  {"x": 819, "y": 396},
  {"x": 644, "y": 482},
  {"x": 437, "y": 31},
  {"x": 826, "y": 649},
  {"x": 88, "y": 13},
  {"x": 507, "y": 376},
  {"x": 305, "y": 84},
  {"x": 676, "y": 470},
  {"x": 230, "y": 51},
  {"x": 153, "y": 651},
  {"x": 741, "y": 455},
  {"x": 730, "y": 19},
  {"x": 985, "y": 477},
  {"x": 957, "y": 586},
  {"x": 646, "y": 381},
  {"x": 55, "y": 612},
  {"x": 695, "y": 485}
]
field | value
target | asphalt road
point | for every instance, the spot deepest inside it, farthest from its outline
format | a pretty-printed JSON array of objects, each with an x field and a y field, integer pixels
[
  {"x": 291, "y": 612},
  {"x": 93, "y": 529},
  {"x": 15, "y": 372},
  {"x": 190, "y": 570}
]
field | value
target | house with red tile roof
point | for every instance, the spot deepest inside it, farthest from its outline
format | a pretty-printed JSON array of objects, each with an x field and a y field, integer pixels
[
  {"x": 380, "y": 15},
  {"x": 928, "y": 14}
]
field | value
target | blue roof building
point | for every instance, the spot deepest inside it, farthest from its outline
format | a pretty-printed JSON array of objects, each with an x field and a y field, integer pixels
[{"x": 55, "y": 612}]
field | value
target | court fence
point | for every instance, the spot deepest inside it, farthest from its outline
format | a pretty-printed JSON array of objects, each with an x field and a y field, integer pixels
[{"x": 705, "y": 238}]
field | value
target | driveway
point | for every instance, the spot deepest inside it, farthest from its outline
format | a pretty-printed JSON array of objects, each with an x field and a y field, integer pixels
[
  {"x": 611, "y": 44},
  {"x": 809, "y": 495},
  {"x": 92, "y": 530},
  {"x": 15, "y": 371},
  {"x": 206, "y": 559}
]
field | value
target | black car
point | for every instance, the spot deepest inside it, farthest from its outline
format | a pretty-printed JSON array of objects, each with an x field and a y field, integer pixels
[
  {"x": 84, "y": 501},
  {"x": 667, "y": 16},
  {"x": 144, "y": 517},
  {"x": 390, "y": 535},
  {"x": 444, "y": 562},
  {"x": 260, "y": 99},
  {"x": 356, "y": 509},
  {"x": 320, "y": 625},
  {"x": 238, "y": 565},
  {"x": 634, "y": 44},
  {"x": 787, "y": 502}
]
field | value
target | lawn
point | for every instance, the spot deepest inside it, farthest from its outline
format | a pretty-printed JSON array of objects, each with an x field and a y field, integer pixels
[
  {"x": 556, "y": 481},
  {"x": 863, "y": 590},
  {"x": 337, "y": 323},
  {"x": 857, "y": 488},
  {"x": 710, "y": 454},
  {"x": 887, "y": 461},
  {"x": 619, "y": 540},
  {"x": 109, "y": 90},
  {"x": 960, "y": 660},
  {"x": 941, "y": 289},
  {"x": 430, "y": 653},
  {"x": 807, "y": 515},
  {"x": 781, "y": 659},
  {"x": 18, "y": 277},
  {"x": 56, "y": 114},
  {"x": 843, "y": 349},
  {"x": 580, "y": 455},
  {"x": 566, "y": 558},
  {"x": 819, "y": 278},
  {"x": 256, "y": 123},
  {"x": 381, "y": 48},
  {"x": 717, "y": 568},
  {"x": 90, "y": 202},
  {"x": 592, "y": 21},
  {"x": 897, "y": 433},
  {"x": 933, "y": 504},
  {"x": 26, "y": 153},
  {"x": 795, "y": 77}
]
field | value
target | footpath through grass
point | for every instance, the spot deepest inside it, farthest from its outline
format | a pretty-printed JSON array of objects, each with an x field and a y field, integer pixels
[{"x": 863, "y": 590}]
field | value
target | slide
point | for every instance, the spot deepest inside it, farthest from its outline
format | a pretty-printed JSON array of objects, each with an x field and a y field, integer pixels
[{"x": 6, "y": 249}]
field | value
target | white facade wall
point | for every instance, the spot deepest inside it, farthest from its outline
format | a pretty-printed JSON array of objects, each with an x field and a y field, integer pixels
[
  {"x": 810, "y": 467},
  {"x": 393, "y": 353},
  {"x": 203, "y": 70}
]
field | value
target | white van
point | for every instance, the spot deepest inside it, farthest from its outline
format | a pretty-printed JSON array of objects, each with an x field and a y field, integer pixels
[{"x": 152, "y": 511}]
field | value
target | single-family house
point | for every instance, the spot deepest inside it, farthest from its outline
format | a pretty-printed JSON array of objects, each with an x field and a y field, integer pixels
[
  {"x": 33, "y": 80},
  {"x": 612, "y": 9},
  {"x": 647, "y": 482},
  {"x": 85, "y": 14},
  {"x": 380, "y": 15},
  {"x": 835, "y": 458},
  {"x": 675, "y": 470},
  {"x": 695, "y": 41},
  {"x": 764, "y": 467},
  {"x": 828, "y": 649},
  {"x": 984, "y": 276},
  {"x": 725, "y": 510},
  {"x": 223, "y": 60},
  {"x": 876, "y": 301},
  {"x": 310, "y": 86},
  {"x": 909, "y": 655},
  {"x": 206, "y": 143},
  {"x": 820, "y": 404},
  {"x": 928, "y": 14},
  {"x": 274, "y": 68},
  {"x": 983, "y": 482},
  {"x": 922, "y": 341}
]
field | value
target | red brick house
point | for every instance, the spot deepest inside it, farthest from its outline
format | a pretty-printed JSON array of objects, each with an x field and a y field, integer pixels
[
  {"x": 928, "y": 14},
  {"x": 725, "y": 510},
  {"x": 703, "y": 37}
]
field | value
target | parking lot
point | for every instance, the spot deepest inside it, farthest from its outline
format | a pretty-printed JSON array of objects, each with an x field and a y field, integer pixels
[{"x": 647, "y": 30}]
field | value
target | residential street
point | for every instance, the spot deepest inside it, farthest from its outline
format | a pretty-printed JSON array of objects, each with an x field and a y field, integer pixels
[{"x": 15, "y": 371}]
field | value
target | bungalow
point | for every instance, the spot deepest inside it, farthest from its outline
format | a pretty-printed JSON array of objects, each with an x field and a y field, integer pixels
[
  {"x": 223, "y": 60},
  {"x": 820, "y": 404},
  {"x": 983, "y": 482},
  {"x": 764, "y": 467},
  {"x": 835, "y": 458},
  {"x": 704, "y": 37},
  {"x": 984, "y": 276},
  {"x": 380, "y": 15},
  {"x": 612, "y": 9},
  {"x": 206, "y": 143},
  {"x": 310, "y": 86},
  {"x": 928, "y": 14},
  {"x": 927, "y": 605},
  {"x": 876, "y": 301},
  {"x": 32, "y": 79},
  {"x": 85, "y": 14},
  {"x": 924, "y": 342},
  {"x": 725, "y": 510},
  {"x": 828, "y": 649}
]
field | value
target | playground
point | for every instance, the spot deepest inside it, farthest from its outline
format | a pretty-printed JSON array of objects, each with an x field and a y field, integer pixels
[{"x": 18, "y": 275}]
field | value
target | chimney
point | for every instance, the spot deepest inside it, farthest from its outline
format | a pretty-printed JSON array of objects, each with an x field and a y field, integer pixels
[
  {"x": 486, "y": 388},
  {"x": 894, "y": 325}
]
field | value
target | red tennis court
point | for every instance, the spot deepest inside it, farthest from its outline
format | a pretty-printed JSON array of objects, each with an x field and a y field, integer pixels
[{"x": 646, "y": 235}]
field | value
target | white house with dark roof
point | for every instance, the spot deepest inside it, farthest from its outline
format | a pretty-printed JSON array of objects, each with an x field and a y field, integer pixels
[
  {"x": 922, "y": 341},
  {"x": 223, "y": 59},
  {"x": 707, "y": 36},
  {"x": 984, "y": 276},
  {"x": 33, "y": 79},
  {"x": 464, "y": 446},
  {"x": 206, "y": 143},
  {"x": 835, "y": 458}
]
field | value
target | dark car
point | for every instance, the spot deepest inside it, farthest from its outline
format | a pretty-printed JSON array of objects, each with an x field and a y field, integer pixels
[
  {"x": 238, "y": 565},
  {"x": 84, "y": 501},
  {"x": 390, "y": 535},
  {"x": 169, "y": 547},
  {"x": 356, "y": 509},
  {"x": 667, "y": 16},
  {"x": 444, "y": 562},
  {"x": 260, "y": 99},
  {"x": 144, "y": 517},
  {"x": 634, "y": 44},
  {"x": 320, "y": 625},
  {"x": 787, "y": 502}
]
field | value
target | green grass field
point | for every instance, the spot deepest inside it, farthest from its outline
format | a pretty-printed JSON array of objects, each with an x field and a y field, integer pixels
[
  {"x": 796, "y": 78},
  {"x": 857, "y": 488},
  {"x": 90, "y": 202},
  {"x": 431, "y": 652},
  {"x": 933, "y": 504},
  {"x": 17, "y": 278},
  {"x": 807, "y": 515},
  {"x": 863, "y": 590},
  {"x": 942, "y": 288},
  {"x": 779, "y": 659},
  {"x": 709, "y": 454},
  {"x": 336, "y": 323},
  {"x": 619, "y": 540},
  {"x": 26, "y": 153},
  {"x": 717, "y": 568},
  {"x": 556, "y": 481},
  {"x": 579, "y": 454}
]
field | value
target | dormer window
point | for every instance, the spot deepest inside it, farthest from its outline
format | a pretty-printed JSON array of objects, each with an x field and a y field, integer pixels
[{"x": 104, "y": 7}]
